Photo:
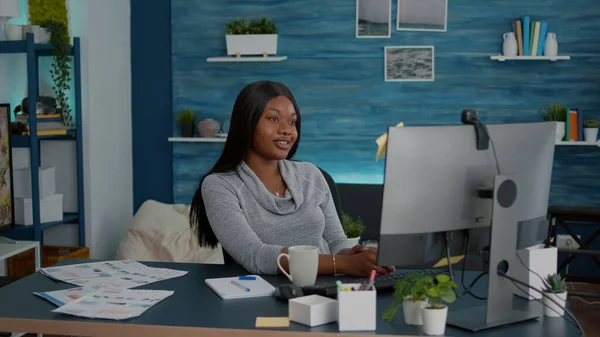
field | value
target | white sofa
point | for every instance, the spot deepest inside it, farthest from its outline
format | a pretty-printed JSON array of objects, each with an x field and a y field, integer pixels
[{"x": 161, "y": 232}]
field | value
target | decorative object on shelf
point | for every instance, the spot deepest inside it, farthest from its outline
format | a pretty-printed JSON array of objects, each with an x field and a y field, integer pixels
[
  {"x": 418, "y": 15},
  {"x": 15, "y": 32},
  {"x": 551, "y": 45},
  {"x": 256, "y": 37},
  {"x": 555, "y": 290},
  {"x": 8, "y": 9},
  {"x": 590, "y": 130},
  {"x": 61, "y": 67},
  {"x": 353, "y": 228},
  {"x": 7, "y": 217},
  {"x": 43, "y": 11},
  {"x": 557, "y": 113},
  {"x": 409, "y": 63},
  {"x": 33, "y": 29},
  {"x": 411, "y": 293},
  {"x": 187, "y": 122},
  {"x": 373, "y": 18},
  {"x": 509, "y": 46},
  {"x": 208, "y": 128},
  {"x": 225, "y": 126}
]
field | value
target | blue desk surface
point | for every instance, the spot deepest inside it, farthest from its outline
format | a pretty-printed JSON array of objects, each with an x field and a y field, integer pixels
[{"x": 195, "y": 305}]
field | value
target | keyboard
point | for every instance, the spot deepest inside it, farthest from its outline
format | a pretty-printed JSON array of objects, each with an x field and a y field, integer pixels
[{"x": 382, "y": 283}]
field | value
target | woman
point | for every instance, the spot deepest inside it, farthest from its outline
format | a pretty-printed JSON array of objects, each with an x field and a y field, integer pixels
[{"x": 256, "y": 202}]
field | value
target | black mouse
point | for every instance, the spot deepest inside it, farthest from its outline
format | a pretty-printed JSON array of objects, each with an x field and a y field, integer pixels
[{"x": 286, "y": 292}]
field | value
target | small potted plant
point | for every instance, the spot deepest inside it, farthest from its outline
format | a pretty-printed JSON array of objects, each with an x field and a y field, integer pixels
[
  {"x": 557, "y": 113},
  {"x": 590, "y": 131},
  {"x": 353, "y": 228},
  {"x": 256, "y": 37},
  {"x": 555, "y": 290},
  {"x": 411, "y": 293},
  {"x": 435, "y": 313},
  {"x": 187, "y": 121}
]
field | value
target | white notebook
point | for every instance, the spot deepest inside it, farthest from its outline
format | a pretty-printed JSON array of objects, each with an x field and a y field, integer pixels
[{"x": 240, "y": 287}]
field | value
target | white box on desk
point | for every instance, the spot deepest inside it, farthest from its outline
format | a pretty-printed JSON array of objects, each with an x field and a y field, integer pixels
[
  {"x": 357, "y": 310},
  {"x": 22, "y": 182},
  {"x": 541, "y": 261},
  {"x": 312, "y": 310},
  {"x": 51, "y": 209}
]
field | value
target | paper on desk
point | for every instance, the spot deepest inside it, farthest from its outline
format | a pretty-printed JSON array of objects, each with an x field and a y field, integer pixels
[
  {"x": 62, "y": 297},
  {"x": 453, "y": 260},
  {"x": 116, "y": 304},
  {"x": 272, "y": 322},
  {"x": 382, "y": 143}
]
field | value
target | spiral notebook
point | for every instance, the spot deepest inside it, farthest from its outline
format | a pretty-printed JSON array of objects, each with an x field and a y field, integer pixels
[{"x": 245, "y": 286}]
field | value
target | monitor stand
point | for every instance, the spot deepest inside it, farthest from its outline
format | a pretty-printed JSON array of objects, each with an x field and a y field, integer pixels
[{"x": 499, "y": 309}]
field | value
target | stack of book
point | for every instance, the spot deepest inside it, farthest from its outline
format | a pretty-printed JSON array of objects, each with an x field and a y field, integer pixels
[
  {"x": 531, "y": 36},
  {"x": 47, "y": 125}
]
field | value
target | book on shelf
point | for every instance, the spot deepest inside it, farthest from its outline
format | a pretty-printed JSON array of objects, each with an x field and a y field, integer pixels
[
  {"x": 47, "y": 125},
  {"x": 531, "y": 36}
]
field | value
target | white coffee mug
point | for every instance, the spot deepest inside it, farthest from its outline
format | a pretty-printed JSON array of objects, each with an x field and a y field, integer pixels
[{"x": 303, "y": 263}]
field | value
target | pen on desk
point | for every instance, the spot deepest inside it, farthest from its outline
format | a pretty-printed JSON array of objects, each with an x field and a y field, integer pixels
[
  {"x": 240, "y": 286},
  {"x": 339, "y": 284},
  {"x": 247, "y": 278},
  {"x": 371, "y": 280}
]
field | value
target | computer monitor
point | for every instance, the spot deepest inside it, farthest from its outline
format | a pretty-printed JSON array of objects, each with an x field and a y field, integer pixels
[{"x": 437, "y": 181}]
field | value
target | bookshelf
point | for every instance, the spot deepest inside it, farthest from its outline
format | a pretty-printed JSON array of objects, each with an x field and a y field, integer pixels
[
  {"x": 247, "y": 59},
  {"x": 33, "y": 52}
]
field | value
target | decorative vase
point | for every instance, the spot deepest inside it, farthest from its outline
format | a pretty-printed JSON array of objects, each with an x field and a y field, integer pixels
[
  {"x": 560, "y": 131},
  {"x": 551, "y": 309},
  {"x": 251, "y": 44},
  {"x": 187, "y": 130},
  {"x": 354, "y": 241},
  {"x": 434, "y": 321},
  {"x": 509, "y": 47},
  {"x": 590, "y": 135},
  {"x": 208, "y": 128},
  {"x": 551, "y": 45},
  {"x": 413, "y": 311}
]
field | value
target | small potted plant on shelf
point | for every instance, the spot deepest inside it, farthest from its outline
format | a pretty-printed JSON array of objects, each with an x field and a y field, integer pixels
[
  {"x": 256, "y": 37},
  {"x": 435, "y": 313},
  {"x": 411, "y": 293},
  {"x": 353, "y": 228},
  {"x": 557, "y": 113},
  {"x": 590, "y": 130},
  {"x": 187, "y": 122},
  {"x": 555, "y": 290}
]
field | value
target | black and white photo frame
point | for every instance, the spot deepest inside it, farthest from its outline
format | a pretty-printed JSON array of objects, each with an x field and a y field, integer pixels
[
  {"x": 409, "y": 64},
  {"x": 373, "y": 18},
  {"x": 422, "y": 15}
]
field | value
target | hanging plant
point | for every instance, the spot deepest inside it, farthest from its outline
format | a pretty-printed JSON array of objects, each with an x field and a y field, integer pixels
[{"x": 61, "y": 67}]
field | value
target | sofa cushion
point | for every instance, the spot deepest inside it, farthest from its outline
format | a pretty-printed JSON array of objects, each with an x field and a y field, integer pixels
[{"x": 161, "y": 232}]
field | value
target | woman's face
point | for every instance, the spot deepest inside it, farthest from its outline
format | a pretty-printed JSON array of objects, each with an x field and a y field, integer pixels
[{"x": 276, "y": 132}]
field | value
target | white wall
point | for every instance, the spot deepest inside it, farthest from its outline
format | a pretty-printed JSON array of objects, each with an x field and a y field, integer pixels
[{"x": 104, "y": 29}]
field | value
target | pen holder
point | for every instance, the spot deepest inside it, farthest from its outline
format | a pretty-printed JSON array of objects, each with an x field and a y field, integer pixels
[{"x": 357, "y": 310}]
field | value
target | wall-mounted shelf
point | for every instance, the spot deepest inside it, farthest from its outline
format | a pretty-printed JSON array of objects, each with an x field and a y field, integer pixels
[
  {"x": 247, "y": 59},
  {"x": 564, "y": 143},
  {"x": 197, "y": 140},
  {"x": 530, "y": 58}
]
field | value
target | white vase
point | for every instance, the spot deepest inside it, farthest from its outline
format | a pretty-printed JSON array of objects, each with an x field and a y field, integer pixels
[
  {"x": 551, "y": 45},
  {"x": 560, "y": 131},
  {"x": 434, "y": 321},
  {"x": 354, "y": 241},
  {"x": 251, "y": 44},
  {"x": 509, "y": 46},
  {"x": 551, "y": 309},
  {"x": 413, "y": 311},
  {"x": 590, "y": 135}
]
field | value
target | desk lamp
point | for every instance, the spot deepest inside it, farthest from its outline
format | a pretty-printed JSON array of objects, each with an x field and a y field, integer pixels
[{"x": 8, "y": 9}]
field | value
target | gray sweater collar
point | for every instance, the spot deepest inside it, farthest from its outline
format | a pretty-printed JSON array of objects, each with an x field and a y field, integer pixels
[{"x": 289, "y": 203}]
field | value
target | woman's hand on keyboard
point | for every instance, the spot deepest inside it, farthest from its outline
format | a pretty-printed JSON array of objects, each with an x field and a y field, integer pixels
[{"x": 360, "y": 260}]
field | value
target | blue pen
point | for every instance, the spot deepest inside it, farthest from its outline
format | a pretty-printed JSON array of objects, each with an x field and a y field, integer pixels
[
  {"x": 247, "y": 278},
  {"x": 240, "y": 286}
]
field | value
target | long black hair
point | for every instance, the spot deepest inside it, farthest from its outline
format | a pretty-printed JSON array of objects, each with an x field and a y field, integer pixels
[{"x": 247, "y": 110}]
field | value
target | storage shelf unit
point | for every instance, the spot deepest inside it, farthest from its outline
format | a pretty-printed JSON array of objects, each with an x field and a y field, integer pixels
[
  {"x": 247, "y": 59},
  {"x": 197, "y": 139},
  {"x": 530, "y": 58},
  {"x": 32, "y": 52},
  {"x": 564, "y": 143}
]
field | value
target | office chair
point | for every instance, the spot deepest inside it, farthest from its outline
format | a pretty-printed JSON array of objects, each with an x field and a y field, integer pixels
[{"x": 336, "y": 201}]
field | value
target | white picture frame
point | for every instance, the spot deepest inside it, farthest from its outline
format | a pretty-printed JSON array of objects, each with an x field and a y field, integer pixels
[
  {"x": 409, "y": 63},
  {"x": 372, "y": 17},
  {"x": 422, "y": 15}
]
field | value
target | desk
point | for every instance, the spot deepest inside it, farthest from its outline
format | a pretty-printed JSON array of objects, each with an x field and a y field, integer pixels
[{"x": 194, "y": 310}]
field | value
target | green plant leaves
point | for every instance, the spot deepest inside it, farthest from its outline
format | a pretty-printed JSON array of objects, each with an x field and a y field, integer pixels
[{"x": 258, "y": 26}]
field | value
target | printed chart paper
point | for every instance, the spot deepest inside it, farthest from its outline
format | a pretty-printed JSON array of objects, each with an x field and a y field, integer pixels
[{"x": 62, "y": 297}]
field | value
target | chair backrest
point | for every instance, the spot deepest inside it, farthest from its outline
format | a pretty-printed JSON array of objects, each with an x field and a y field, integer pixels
[{"x": 336, "y": 201}]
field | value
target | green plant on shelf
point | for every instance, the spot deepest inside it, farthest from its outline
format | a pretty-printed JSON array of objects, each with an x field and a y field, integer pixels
[
  {"x": 554, "y": 283},
  {"x": 556, "y": 113},
  {"x": 591, "y": 124},
  {"x": 257, "y": 26},
  {"x": 186, "y": 117},
  {"x": 352, "y": 227}
]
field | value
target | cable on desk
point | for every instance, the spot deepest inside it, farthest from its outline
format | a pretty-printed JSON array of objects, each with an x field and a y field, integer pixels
[{"x": 467, "y": 290}]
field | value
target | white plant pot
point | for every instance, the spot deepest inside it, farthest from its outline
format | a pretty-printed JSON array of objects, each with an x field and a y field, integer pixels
[
  {"x": 251, "y": 44},
  {"x": 550, "y": 308},
  {"x": 590, "y": 135},
  {"x": 434, "y": 321},
  {"x": 413, "y": 311},
  {"x": 560, "y": 131},
  {"x": 354, "y": 241}
]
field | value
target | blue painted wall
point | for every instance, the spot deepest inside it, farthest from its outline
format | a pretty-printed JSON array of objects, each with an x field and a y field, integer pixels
[{"x": 338, "y": 81}]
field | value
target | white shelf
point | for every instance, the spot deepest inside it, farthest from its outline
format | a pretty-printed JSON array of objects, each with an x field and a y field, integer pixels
[
  {"x": 247, "y": 59},
  {"x": 197, "y": 139},
  {"x": 563, "y": 143},
  {"x": 530, "y": 58}
]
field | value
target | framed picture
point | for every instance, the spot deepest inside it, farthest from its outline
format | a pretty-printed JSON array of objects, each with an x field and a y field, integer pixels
[
  {"x": 7, "y": 210},
  {"x": 373, "y": 18},
  {"x": 409, "y": 63},
  {"x": 422, "y": 15}
]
